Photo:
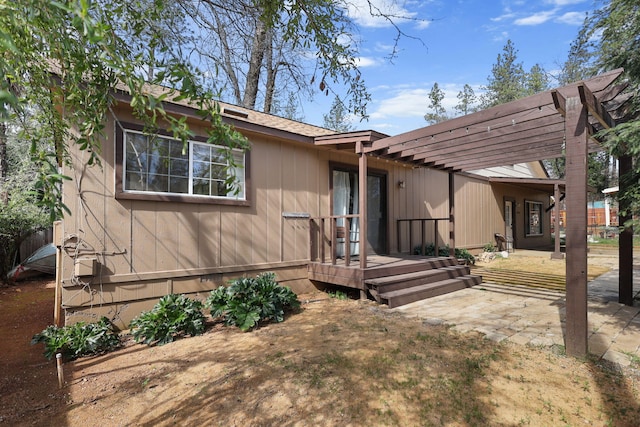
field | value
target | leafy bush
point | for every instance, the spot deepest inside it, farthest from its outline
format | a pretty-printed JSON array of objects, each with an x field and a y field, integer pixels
[
  {"x": 248, "y": 301},
  {"x": 459, "y": 253},
  {"x": 78, "y": 340},
  {"x": 489, "y": 247},
  {"x": 174, "y": 315}
]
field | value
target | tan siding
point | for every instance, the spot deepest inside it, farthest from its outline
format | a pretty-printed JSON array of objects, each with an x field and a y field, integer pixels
[
  {"x": 166, "y": 238},
  {"x": 187, "y": 244},
  {"x": 259, "y": 210},
  {"x": 201, "y": 237},
  {"x": 143, "y": 242},
  {"x": 520, "y": 195},
  {"x": 231, "y": 243}
]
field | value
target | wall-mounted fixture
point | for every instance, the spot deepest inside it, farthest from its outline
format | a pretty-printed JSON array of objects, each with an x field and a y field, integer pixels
[{"x": 402, "y": 184}]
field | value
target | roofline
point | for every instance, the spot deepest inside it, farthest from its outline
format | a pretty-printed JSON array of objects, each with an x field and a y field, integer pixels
[{"x": 237, "y": 123}]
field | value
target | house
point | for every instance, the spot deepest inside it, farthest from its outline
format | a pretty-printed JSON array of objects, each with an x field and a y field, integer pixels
[{"x": 153, "y": 220}]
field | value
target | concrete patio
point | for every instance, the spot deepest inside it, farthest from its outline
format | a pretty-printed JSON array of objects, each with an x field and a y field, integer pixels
[{"x": 532, "y": 316}]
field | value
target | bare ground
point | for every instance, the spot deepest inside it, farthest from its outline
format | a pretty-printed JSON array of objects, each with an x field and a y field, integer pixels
[{"x": 334, "y": 363}]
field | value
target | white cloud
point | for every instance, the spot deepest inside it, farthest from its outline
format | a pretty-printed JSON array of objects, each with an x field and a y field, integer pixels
[
  {"x": 413, "y": 101},
  {"x": 536, "y": 18},
  {"x": 504, "y": 17},
  {"x": 571, "y": 18},
  {"x": 365, "y": 61},
  {"x": 409, "y": 102}
]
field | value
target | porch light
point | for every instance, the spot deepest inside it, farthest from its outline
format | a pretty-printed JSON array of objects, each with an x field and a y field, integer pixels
[{"x": 401, "y": 184}]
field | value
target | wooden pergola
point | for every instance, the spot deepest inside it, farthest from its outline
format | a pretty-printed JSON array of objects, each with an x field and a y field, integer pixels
[{"x": 551, "y": 124}]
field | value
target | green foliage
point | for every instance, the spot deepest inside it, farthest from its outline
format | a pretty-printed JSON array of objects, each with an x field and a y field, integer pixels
[
  {"x": 615, "y": 31},
  {"x": 20, "y": 214},
  {"x": 248, "y": 301},
  {"x": 338, "y": 117},
  {"x": 173, "y": 316},
  {"x": 489, "y": 247},
  {"x": 466, "y": 100},
  {"x": 78, "y": 340},
  {"x": 506, "y": 81},
  {"x": 339, "y": 295},
  {"x": 459, "y": 253},
  {"x": 68, "y": 56},
  {"x": 438, "y": 112}
]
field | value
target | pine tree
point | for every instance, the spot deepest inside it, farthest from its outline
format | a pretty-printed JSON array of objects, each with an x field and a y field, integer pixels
[
  {"x": 507, "y": 80},
  {"x": 338, "y": 118},
  {"x": 536, "y": 80},
  {"x": 466, "y": 100},
  {"x": 439, "y": 113}
]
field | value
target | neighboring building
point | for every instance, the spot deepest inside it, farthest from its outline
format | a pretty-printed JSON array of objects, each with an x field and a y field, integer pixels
[{"x": 152, "y": 221}]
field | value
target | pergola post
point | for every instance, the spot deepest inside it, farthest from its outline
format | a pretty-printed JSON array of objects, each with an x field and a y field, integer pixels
[
  {"x": 362, "y": 203},
  {"x": 625, "y": 248},
  {"x": 556, "y": 223},
  {"x": 576, "y": 122},
  {"x": 452, "y": 222}
]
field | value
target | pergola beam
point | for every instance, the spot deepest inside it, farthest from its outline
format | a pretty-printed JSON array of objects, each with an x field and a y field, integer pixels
[
  {"x": 595, "y": 107},
  {"x": 504, "y": 114},
  {"x": 492, "y": 138}
]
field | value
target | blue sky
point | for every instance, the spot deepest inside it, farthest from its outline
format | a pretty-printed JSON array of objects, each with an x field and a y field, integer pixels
[{"x": 462, "y": 40}]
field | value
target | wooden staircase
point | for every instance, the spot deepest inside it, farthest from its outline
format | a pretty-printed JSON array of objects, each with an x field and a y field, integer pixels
[{"x": 433, "y": 277}]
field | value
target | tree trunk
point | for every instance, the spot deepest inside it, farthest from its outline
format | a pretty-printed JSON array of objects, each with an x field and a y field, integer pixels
[
  {"x": 228, "y": 65},
  {"x": 4, "y": 197},
  {"x": 255, "y": 65},
  {"x": 271, "y": 73}
]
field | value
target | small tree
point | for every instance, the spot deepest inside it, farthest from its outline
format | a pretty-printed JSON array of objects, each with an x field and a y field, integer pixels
[
  {"x": 338, "y": 118},
  {"x": 466, "y": 100},
  {"x": 438, "y": 112},
  {"x": 536, "y": 80}
]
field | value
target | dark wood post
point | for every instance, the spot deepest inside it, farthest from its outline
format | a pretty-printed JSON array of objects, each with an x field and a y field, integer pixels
[
  {"x": 556, "y": 223},
  {"x": 362, "y": 203},
  {"x": 625, "y": 248},
  {"x": 452, "y": 222},
  {"x": 576, "y": 338}
]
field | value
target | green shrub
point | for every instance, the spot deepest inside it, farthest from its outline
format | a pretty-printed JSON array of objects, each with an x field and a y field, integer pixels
[
  {"x": 489, "y": 247},
  {"x": 248, "y": 301},
  {"x": 459, "y": 253},
  {"x": 339, "y": 295},
  {"x": 173, "y": 316},
  {"x": 78, "y": 340}
]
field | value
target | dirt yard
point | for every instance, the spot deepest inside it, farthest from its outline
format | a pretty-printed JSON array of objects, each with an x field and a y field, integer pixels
[{"x": 334, "y": 363}]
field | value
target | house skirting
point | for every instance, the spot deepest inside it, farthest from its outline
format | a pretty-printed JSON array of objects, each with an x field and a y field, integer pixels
[{"x": 122, "y": 297}]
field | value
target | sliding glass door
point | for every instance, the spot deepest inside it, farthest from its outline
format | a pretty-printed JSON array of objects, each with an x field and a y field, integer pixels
[{"x": 346, "y": 202}]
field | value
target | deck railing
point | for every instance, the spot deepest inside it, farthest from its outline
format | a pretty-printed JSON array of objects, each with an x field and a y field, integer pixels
[
  {"x": 422, "y": 223},
  {"x": 321, "y": 240}
]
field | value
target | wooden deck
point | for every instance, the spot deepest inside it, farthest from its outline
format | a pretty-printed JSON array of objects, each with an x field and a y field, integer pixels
[{"x": 397, "y": 280}]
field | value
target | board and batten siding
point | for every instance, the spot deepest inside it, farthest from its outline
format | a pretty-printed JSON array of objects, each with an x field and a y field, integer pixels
[
  {"x": 147, "y": 249},
  {"x": 520, "y": 195}
]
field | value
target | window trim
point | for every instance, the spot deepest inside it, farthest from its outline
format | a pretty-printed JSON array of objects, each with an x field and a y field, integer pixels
[
  {"x": 527, "y": 218},
  {"x": 122, "y": 194}
]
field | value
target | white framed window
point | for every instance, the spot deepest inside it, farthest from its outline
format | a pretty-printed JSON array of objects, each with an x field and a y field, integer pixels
[
  {"x": 163, "y": 165},
  {"x": 533, "y": 218}
]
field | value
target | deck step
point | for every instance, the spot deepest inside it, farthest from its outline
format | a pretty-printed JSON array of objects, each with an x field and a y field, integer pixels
[
  {"x": 410, "y": 265},
  {"x": 400, "y": 297},
  {"x": 401, "y": 281}
]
